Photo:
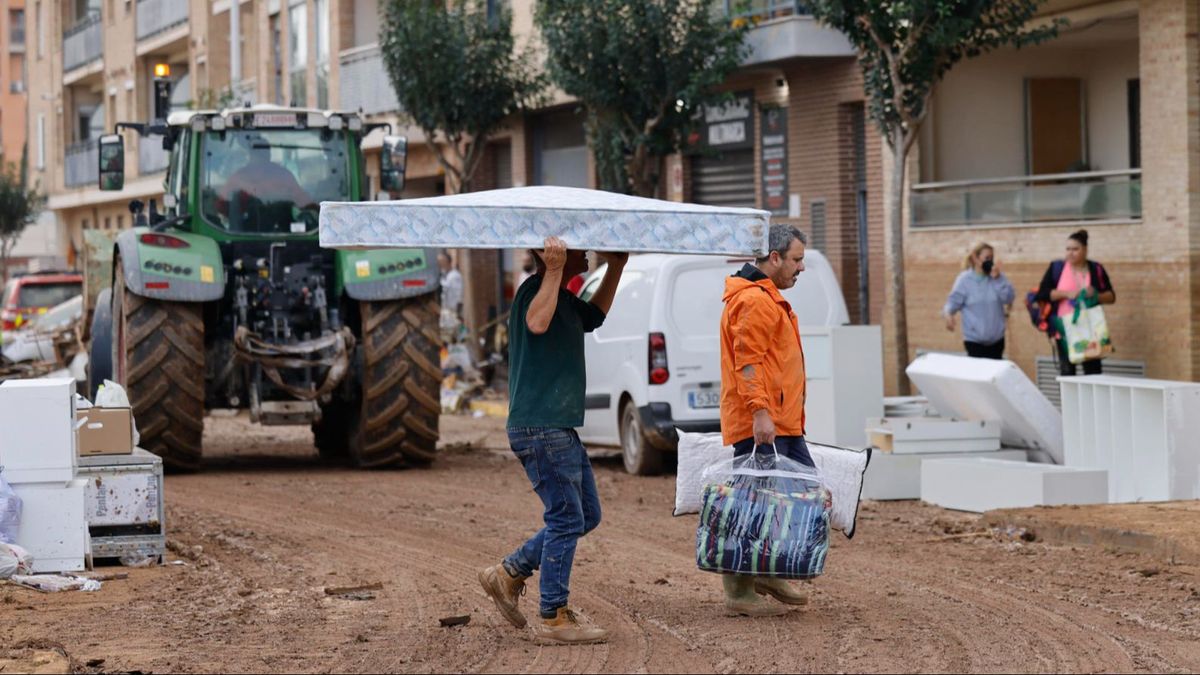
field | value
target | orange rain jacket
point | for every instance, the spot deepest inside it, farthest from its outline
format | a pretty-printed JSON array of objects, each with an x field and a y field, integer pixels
[{"x": 759, "y": 329}]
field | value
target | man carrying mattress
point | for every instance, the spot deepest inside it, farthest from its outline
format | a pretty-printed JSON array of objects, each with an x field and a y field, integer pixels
[
  {"x": 762, "y": 387},
  {"x": 546, "y": 402}
]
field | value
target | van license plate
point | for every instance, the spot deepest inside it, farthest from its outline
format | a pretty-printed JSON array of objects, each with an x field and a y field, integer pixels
[{"x": 705, "y": 398}]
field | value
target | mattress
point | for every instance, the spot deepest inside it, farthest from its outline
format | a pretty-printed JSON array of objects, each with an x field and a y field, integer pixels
[
  {"x": 987, "y": 389},
  {"x": 523, "y": 218}
]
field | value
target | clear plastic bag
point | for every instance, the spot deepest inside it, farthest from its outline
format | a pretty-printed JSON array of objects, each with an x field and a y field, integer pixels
[
  {"x": 10, "y": 512},
  {"x": 763, "y": 514},
  {"x": 14, "y": 560}
]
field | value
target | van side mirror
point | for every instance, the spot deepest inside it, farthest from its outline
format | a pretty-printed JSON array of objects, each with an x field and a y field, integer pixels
[
  {"x": 112, "y": 162},
  {"x": 393, "y": 163}
]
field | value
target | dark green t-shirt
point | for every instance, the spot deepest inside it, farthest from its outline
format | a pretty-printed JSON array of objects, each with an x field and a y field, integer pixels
[{"x": 546, "y": 374}]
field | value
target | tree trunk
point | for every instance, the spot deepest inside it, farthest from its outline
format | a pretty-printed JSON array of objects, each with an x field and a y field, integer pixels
[{"x": 896, "y": 254}]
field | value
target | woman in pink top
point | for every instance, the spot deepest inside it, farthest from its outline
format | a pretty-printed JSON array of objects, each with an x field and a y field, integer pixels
[{"x": 1062, "y": 283}]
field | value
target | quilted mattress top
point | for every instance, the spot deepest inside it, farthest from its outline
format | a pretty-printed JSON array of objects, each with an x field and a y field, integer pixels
[{"x": 524, "y": 217}]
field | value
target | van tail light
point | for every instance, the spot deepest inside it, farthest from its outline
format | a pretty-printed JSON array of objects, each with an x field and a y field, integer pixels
[
  {"x": 659, "y": 374},
  {"x": 163, "y": 240},
  {"x": 8, "y": 320}
]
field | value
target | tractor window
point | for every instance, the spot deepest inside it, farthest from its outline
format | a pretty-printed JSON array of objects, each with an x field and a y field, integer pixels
[{"x": 271, "y": 181}]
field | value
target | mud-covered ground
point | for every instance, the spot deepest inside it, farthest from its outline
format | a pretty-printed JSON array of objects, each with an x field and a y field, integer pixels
[{"x": 266, "y": 531}]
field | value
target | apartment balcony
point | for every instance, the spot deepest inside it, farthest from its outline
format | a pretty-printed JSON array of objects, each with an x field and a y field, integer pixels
[
  {"x": 83, "y": 43},
  {"x": 784, "y": 29},
  {"x": 1095, "y": 197},
  {"x": 151, "y": 156},
  {"x": 82, "y": 165},
  {"x": 155, "y": 17},
  {"x": 364, "y": 82}
]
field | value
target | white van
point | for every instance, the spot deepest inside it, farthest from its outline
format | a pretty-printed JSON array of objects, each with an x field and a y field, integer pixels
[{"x": 655, "y": 364}]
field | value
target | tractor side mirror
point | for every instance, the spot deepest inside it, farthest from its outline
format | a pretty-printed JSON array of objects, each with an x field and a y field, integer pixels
[
  {"x": 392, "y": 164},
  {"x": 112, "y": 162}
]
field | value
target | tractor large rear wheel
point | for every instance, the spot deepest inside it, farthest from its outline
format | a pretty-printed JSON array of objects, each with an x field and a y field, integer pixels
[
  {"x": 393, "y": 419},
  {"x": 158, "y": 356}
]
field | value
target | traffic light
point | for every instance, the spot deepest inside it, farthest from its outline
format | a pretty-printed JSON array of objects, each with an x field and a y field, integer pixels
[{"x": 162, "y": 91}]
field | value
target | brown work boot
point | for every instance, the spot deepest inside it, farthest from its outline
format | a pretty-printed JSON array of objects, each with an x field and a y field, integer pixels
[
  {"x": 740, "y": 599},
  {"x": 780, "y": 590},
  {"x": 504, "y": 590},
  {"x": 566, "y": 629}
]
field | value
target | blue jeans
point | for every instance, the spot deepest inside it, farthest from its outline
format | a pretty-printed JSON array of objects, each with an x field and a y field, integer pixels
[
  {"x": 792, "y": 447},
  {"x": 557, "y": 465}
]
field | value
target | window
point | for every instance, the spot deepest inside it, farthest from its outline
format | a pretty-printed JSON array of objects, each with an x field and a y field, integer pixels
[
  {"x": 1134, "y": 88},
  {"x": 120, "y": 222},
  {"x": 321, "y": 9},
  {"x": 108, "y": 222},
  {"x": 16, "y": 27},
  {"x": 41, "y": 142},
  {"x": 277, "y": 59},
  {"x": 298, "y": 52},
  {"x": 41, "y": 29}
]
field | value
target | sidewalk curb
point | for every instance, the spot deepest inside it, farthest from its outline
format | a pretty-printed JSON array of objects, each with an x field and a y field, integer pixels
[{"x": 1071, "y": 534}]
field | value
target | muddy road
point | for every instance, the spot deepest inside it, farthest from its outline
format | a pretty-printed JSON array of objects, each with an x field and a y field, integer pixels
[{"x": 266, "y": 530}]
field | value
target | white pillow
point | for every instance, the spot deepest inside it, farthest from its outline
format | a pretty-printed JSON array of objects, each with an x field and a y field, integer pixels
[{"x": 841, "y": 470}]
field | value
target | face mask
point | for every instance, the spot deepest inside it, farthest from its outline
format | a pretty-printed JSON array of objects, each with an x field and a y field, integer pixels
[{"x": 987, "y": 266}]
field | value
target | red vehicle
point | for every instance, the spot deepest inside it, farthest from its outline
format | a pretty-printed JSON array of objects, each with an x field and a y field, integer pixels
[{"x": 28, "y": 295}]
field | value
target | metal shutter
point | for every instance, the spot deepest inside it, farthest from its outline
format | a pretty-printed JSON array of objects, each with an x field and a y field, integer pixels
[
  {"x": 726, "y": 179},
  {"x": 1047, "y": 375}
]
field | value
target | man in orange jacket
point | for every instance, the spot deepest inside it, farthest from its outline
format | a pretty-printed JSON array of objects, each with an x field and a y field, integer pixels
[{"x": 762, "y": 386}]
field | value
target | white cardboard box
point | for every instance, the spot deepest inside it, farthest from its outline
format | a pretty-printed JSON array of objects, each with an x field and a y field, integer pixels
[
  {"x": 38, "y": 422},
  {"x": 53, "y": 527},
  {"x": 981, "y": 484},
  {"x": 892, "y": 476},
  {"x": 1145, "y": 432},
  {"x": 910, "y": 435}
]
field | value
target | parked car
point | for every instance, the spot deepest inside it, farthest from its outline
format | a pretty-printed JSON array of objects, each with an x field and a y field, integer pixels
[
  {"x": 655, "y": 365},
  {"x": 29, "y": 295},
  {"x": 35, "y": 340}
]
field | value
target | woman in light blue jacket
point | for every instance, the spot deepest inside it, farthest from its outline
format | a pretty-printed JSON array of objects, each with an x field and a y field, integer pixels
[{"x": 983, "y": 294}]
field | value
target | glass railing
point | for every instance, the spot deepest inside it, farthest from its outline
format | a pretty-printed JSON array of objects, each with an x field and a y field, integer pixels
[
  {"x": 16, "y": 37},
  {"x": 82, "y": 165},
  {"x": 83, "y": 42},
  {"x": 764, "y": 10},
  {"x": 1045, "y": 199},
  {"x": 364, "y": 83},
  {"x": 151, "y": 156},
  {"x": 157, "y": 16}
]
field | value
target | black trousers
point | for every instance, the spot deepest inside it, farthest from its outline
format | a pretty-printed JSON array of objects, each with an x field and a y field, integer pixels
[
  {"x": 982, "y": 351},
  {"x": 1065, "y": 367}
]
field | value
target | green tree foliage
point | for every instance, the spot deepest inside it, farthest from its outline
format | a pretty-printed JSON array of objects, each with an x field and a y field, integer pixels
[
  {"x": 19, "y": 207},
  {"x": 905, "y": 48},
  {"x": 640, "y": 69},
  {"x": 458, "y": 75}
]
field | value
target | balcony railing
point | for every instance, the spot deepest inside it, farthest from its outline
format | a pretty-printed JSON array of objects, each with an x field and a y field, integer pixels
[
  {"x": 1099, "y": 196},
  {"x": 82, "y": 43},
  {"x": 16, "y": 37},
  {"x": 364, "y": 82},
  {"x": 82, "y": 164},
  {"x": 158, "y": 16},
  {"x": 151, "y": 156},
  {"x": 764, "y": 10}
]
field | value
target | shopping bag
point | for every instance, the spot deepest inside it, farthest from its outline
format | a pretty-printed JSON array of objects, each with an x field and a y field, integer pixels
[
  {"x": 763, "y": 514},
  {"x": 1086, "y": 333}
]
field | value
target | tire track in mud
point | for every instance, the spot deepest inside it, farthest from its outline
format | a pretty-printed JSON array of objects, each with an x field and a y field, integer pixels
[{"x": 889, "y": 601}]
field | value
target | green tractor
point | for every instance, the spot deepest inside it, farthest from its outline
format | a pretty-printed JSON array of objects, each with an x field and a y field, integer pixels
[{"x": 225, "y": 300}]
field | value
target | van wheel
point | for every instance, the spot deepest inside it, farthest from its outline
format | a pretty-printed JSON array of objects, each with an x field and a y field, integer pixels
[{"x": 641, "y": 458}]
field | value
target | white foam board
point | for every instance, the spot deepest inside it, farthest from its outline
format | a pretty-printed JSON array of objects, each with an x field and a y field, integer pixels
[
  {"x": 981, "y": 484},
  {"x": 38, "y": 422},
  {"x": 985, "y": 389},
  {"x": 53, "y": 527},
  {"x": 1145, "y": 432},
  {"x": 891, "y": 476}
]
